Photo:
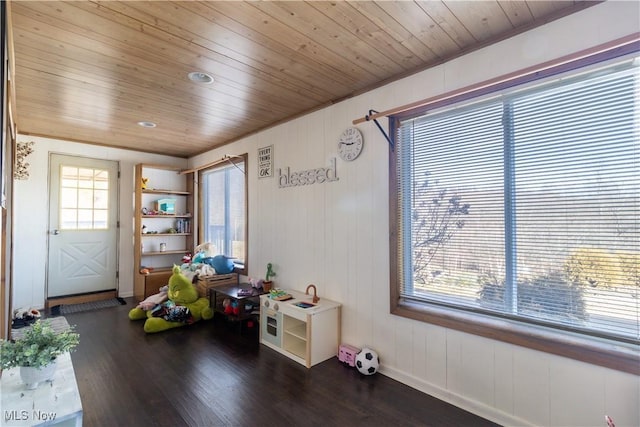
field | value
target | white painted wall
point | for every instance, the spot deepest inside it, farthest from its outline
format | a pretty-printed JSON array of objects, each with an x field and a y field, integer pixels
[
  {"x": 335, "y": 235},
  {"x": 32, "y": 210}
]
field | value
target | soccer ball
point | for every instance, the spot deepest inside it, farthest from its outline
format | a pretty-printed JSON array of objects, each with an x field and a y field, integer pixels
[{"x": 367, "y": 361}]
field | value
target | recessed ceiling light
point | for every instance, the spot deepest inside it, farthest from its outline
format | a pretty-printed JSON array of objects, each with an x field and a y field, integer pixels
[
  {"x": 199, "y": 77},
  {"x": 147, "y": 124}
]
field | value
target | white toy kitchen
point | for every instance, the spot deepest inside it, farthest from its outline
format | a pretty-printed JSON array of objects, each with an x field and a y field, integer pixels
[{"x": 300, "y": 326}]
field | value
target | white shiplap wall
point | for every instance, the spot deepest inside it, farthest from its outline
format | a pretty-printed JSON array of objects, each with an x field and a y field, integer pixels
[{"x": 335, "y": 235}]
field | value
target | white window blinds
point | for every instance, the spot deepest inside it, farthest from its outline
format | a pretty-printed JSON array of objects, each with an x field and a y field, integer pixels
[
  {"x": 224, "y": 212},
  {"x": 527, "y": 206}
]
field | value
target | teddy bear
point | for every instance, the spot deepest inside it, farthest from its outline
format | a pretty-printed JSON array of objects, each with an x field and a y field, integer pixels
[{"x": 177, "y": 306}]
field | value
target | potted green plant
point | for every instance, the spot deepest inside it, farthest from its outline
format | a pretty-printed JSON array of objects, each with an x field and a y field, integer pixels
[
  {"x": 268, "y": 284},
  {"x": 36, "y": 351}
]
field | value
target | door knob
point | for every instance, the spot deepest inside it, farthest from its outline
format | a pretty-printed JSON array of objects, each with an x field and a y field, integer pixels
[{"x": 55, "y": 232}]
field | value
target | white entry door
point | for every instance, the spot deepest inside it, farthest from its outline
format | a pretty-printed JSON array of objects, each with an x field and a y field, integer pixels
[{"x": 83, "y": 226}]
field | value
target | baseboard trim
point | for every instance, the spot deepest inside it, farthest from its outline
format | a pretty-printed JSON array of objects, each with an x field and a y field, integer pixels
[{"x": 475, "y": 407}]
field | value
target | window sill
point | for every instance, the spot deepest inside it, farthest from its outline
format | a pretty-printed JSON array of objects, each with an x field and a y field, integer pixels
[
  {"x": 621, "y": 357},
  {"x": 240, "y": 269}
]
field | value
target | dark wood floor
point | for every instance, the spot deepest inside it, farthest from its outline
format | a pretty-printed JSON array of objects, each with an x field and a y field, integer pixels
[{"x": 208, "y": 375}]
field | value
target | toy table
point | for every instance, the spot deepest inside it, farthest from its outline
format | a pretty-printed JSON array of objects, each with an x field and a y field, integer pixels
[{"x": 231, "y": 292}]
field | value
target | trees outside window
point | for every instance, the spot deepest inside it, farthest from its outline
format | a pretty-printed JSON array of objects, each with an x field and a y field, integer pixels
[{"x": 525, "y": 205}]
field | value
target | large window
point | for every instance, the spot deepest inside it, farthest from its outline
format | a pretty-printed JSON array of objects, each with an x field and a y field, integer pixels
[
  {"x": 525, "y": 206},
  {"x": 224, "y": 209}
]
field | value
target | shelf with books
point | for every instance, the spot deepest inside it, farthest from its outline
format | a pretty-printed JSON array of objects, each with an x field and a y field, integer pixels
[{"x": 163, "y": 218}]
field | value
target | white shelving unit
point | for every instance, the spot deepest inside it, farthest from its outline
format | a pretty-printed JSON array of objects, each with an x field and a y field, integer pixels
[{"x": 295, "y": 337}]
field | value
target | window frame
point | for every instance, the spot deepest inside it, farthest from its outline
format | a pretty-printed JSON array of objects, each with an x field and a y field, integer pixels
[
  {"x": 601, "y": 352},
  {"x": 227, "y": 162}
]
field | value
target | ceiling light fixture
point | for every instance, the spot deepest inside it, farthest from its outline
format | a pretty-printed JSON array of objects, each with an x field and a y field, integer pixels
[
  {"x": 200, "y": 77},
  {"x": 147, "y": 124}
]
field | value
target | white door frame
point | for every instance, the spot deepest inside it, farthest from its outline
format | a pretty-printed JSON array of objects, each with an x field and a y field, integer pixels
[{"x": 101, "y": 272}]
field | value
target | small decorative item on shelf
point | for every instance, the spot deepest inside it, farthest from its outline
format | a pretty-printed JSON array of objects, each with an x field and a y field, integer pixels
[
  {"x": 186, "y": 258},
  {"x": 166, "y": 206},
  {"x": 268, "y": 283},
  {"x": 145, "y": 270},
  {"x": 143, "y": 183}
]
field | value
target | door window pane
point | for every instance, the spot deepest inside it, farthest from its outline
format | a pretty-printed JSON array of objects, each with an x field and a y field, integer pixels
[{"x": 84, "y": 198}]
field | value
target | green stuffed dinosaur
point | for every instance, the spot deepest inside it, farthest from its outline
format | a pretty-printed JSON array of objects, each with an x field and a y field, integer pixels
[{"x": 182, "y": 307}]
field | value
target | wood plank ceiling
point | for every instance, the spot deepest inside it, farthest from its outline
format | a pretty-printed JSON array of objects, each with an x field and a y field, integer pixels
[{"x": 89, "y": 71}]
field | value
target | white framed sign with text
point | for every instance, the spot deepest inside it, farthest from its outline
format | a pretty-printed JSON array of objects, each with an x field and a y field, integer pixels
[{"x": 265, "y": 162}]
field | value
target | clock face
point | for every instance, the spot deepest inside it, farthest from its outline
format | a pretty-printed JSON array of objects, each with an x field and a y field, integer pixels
[{"x": 350, "y": 144}]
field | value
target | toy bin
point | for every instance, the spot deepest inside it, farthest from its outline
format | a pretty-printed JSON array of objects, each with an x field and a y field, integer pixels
[{"x": 204, "y": 283}]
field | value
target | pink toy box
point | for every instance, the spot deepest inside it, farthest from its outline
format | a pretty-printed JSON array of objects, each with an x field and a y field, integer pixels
[{"x": 347, "y": 354}]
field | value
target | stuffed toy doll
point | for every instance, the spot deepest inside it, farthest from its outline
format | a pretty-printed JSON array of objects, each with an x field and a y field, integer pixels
[{"x": 182, "y": 306}]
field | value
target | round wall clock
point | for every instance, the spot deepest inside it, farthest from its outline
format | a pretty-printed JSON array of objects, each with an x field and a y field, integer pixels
[{"x": 350, "y": 144}]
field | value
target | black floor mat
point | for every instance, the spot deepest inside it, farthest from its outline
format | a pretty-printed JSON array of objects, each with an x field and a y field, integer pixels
[{"x": 86, "y": 306}]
